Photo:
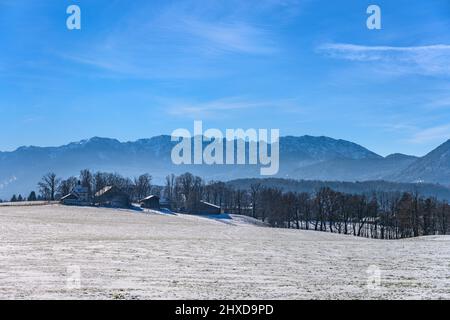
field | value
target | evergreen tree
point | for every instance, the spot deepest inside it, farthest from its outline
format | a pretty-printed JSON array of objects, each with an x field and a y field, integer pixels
[{"x": 32, "y": 196}]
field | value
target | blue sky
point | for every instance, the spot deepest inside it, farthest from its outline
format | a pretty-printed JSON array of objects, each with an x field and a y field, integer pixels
[{"x": 142, "y": 68}]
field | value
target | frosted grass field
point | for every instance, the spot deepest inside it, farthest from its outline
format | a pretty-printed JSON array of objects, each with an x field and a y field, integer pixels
[{"x": 124, "y": 254}]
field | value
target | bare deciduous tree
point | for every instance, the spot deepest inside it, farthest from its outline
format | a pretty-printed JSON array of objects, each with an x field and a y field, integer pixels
[{"x": 48, "y": 186}]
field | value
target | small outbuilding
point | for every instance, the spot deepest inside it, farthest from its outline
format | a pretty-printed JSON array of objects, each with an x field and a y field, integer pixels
[
  {"x": 150, "y": 202},
  {"x": 112, "y": 196},
  {"x": 206, "y": 208}
]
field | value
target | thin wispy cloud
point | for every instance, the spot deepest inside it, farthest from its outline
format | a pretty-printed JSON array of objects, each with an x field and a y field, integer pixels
[
  {"x": 439, "y": 103},
  {"x": 235, "y": 37},
  {"x": 426, "y": 60},
  {"x": 5, "y": 183},
  {"x": 219, "y": 107},
  {"x": 187, "y": 37},
  {"x": 212, "y": 108},
  {"x": 433, "y": 134},
  {"x": 399, "y": 127}
]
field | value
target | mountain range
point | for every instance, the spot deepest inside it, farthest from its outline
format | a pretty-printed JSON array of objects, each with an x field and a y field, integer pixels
[{"x": 305, "y": 157}]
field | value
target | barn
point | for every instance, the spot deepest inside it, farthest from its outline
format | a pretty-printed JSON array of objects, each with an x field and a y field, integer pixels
[
  {"x": 112, "y": 196},
  {"x": 150, "y": 202},
  {"x": 206, "y": 208}
]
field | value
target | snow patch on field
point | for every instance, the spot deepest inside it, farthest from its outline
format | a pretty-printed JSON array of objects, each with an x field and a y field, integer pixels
[
  {"x": 26, "y": 203},
  {"x": 126, "y": 254}
]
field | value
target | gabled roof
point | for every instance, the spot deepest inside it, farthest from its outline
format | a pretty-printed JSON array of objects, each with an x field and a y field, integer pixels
[
  {"x": 110, "y": 190},
  {"x": 210, "y": 204},
  {"x": 150, "y": 197},
  {"x": 103, "y": 191},
  {"x": 70, "y": 196}
]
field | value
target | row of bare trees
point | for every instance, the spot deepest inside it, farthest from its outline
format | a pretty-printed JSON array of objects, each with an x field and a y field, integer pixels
[{"x": 381, "y": 215}]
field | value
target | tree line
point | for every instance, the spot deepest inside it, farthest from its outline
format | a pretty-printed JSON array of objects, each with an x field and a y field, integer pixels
[
  {"x": 52, "y": 188},
  {"x": 378, "y": 214}
]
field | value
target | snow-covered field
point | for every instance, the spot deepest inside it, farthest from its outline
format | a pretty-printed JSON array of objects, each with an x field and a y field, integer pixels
[{"x": 88, "y": 253}]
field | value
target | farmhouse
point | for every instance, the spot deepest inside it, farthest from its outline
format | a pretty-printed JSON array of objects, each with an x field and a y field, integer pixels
[
  {"x": 78, "y": 197},
  {"x": 206, "y": 208},
  {"x": 70, "y": 199},
  {"x": 150, "y": 202},
  {"x": 112, "y": 196}
]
